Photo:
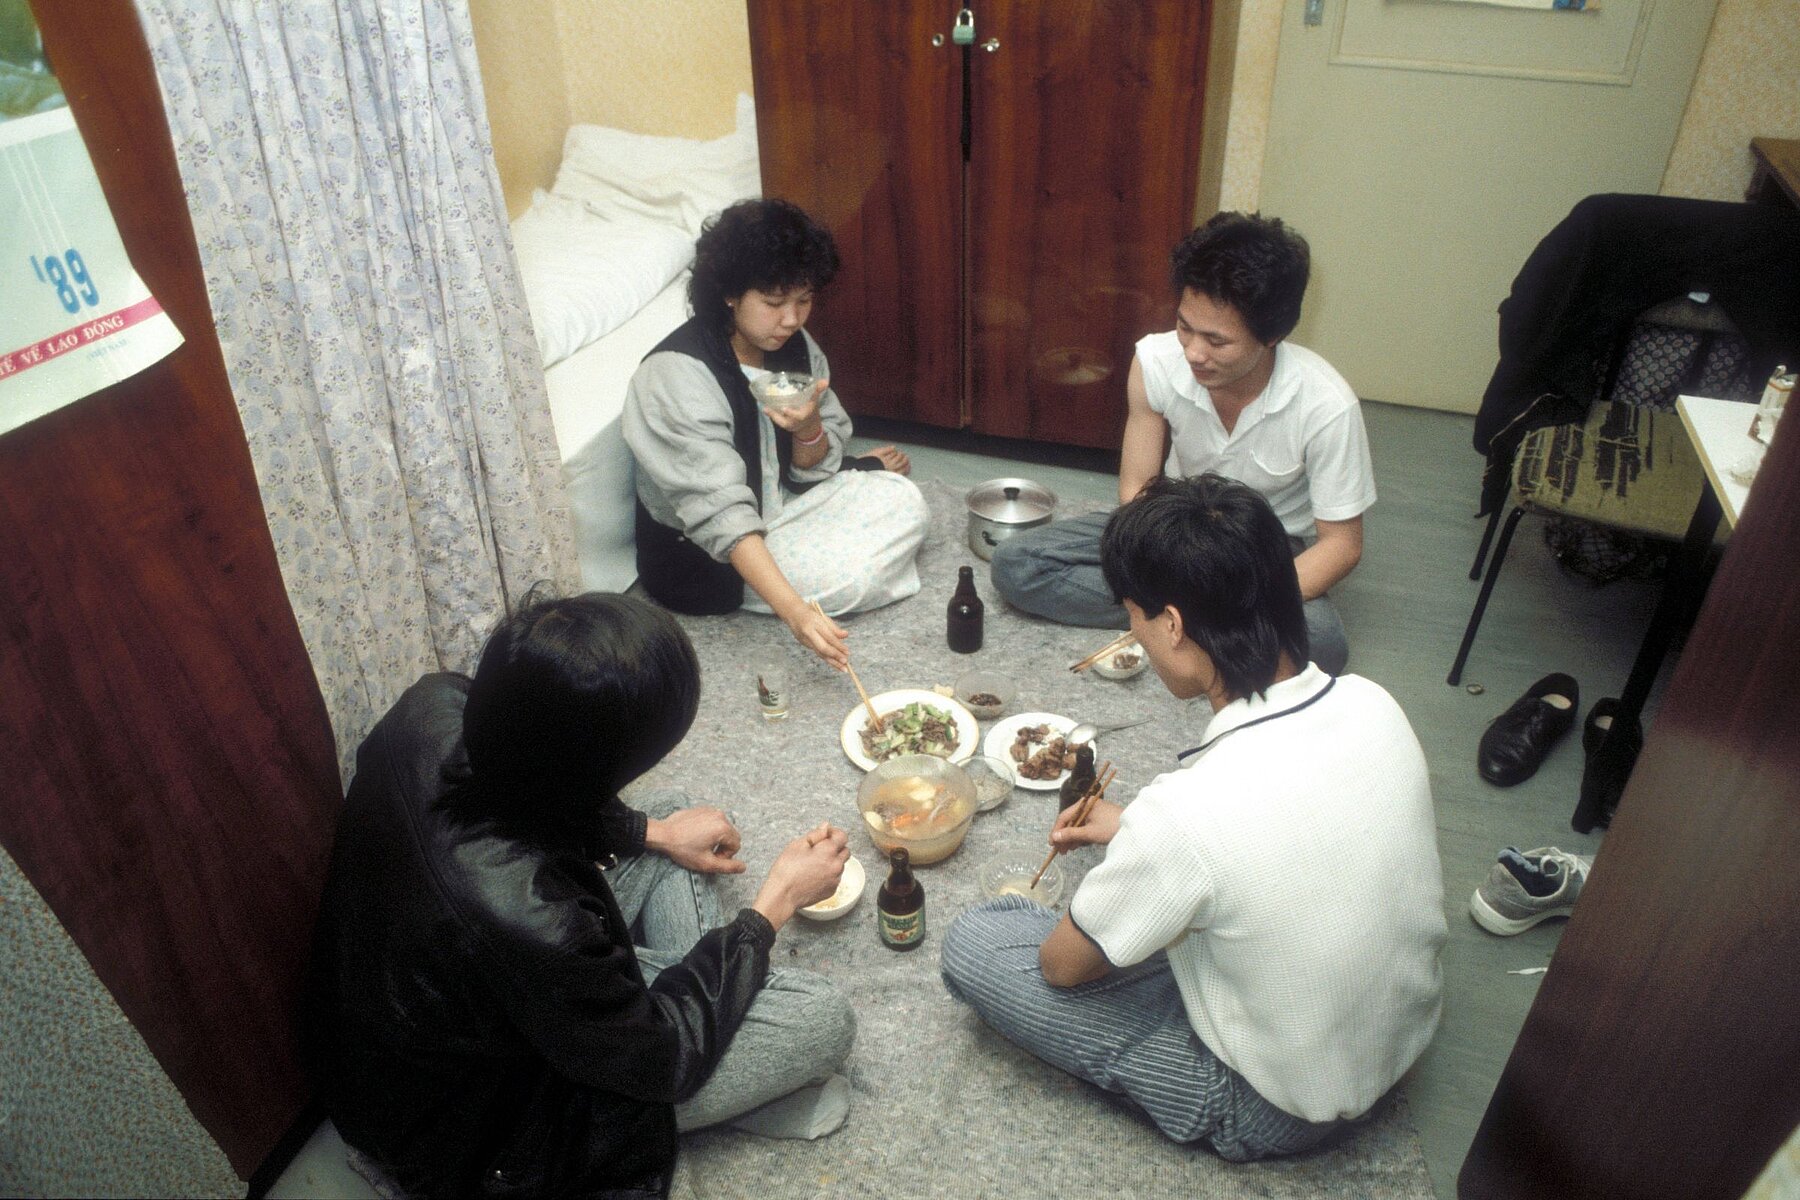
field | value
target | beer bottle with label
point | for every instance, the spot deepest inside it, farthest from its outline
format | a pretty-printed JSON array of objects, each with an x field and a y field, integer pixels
[
  {"x": 1080, "y": 779},
  {"x": 900, "y": 906},
  {"x": 964, "y": 624}
]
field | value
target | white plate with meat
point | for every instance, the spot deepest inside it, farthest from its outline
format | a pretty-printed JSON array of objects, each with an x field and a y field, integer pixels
[
  {"x": 955, "y": 720},
  {"x": 1003, "y": 734}
]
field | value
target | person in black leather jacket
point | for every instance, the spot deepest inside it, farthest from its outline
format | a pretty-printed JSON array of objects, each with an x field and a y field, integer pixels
[{"x": 479, "y": 1021}]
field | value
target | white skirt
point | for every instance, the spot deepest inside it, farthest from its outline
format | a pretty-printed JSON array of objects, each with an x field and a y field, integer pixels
[{"x": 851, "y": 543}]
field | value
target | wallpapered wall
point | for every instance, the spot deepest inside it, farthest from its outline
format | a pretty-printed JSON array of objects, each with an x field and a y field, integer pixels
[
  {"x": 1748, "y": 85},
  {"x": 673, "y": 67}
]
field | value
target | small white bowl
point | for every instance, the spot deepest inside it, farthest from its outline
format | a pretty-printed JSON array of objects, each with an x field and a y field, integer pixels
[
  {"x": 1109, "y": 668},
  {"x": 1010, "y": 875},
  {"x": 849, "y": 891}
]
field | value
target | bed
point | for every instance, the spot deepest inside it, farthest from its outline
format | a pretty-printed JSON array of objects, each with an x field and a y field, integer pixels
[{"x": 603, "y": 256}]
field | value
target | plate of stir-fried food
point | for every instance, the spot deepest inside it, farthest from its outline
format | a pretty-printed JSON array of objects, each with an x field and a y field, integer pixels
[
  {"x": 1037, "y": 746},
  {"x": 914, "y": 721}
]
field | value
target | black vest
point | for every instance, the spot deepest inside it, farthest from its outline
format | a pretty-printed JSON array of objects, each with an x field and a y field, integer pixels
[{"x": 678, "y": 574}]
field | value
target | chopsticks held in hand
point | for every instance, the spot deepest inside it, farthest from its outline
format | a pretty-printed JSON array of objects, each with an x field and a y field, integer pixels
[
  {"x": 1113, "y": 647},
  {"x": 874, "y": 717},
  {"x": 1083, "y": 807}
]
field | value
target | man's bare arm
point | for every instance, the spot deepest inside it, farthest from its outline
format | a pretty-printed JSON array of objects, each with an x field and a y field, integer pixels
[
  {"x": 1069, "y": 957},
  {"x": 1146, "y": 438},
  {"x": 1325, "y": 563}
]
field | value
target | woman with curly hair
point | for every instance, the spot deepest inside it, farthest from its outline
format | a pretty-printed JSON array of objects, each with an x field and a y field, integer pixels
[{"x": 730, "y": 493}]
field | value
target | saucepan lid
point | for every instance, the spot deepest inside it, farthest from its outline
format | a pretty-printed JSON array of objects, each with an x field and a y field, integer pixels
[{"x": 1012, "y": 501}]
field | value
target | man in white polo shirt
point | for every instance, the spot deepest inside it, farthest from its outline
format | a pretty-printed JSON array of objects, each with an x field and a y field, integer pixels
[
  {"x": 1225, "y": 392},
  {"x": 1255, "y": 960}
]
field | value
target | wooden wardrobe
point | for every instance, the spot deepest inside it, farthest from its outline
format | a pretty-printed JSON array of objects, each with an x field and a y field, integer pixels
[{"x": 1004, "y": 204}]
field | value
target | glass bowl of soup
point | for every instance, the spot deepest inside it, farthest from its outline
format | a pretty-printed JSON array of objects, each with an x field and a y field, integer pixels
[
  {"x": 918, "y": 803},
  {"x": 781, "y": 389}
]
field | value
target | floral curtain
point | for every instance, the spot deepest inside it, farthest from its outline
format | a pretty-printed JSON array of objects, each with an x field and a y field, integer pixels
[{"x": 335, "y": 156}]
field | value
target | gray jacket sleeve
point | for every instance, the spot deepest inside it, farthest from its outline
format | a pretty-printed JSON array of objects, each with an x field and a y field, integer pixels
[
  {"x": 689, "y": 476},
  {"x": 832, "y": 414}
]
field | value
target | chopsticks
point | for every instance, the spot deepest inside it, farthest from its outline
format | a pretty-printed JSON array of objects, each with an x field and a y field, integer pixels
[
  {"x": 1083, "y": 807},
  {"x": 874, "y": 717},
  {"x": 1113, "y": 647}
]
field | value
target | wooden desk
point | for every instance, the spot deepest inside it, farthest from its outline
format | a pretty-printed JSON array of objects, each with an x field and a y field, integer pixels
[
  {"x": 1720, "y": 431},
  {"x": 1775, "y": 176}
]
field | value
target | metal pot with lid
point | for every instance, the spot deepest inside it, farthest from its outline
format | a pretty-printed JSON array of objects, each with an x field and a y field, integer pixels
[{"x": 1000, "y": 508}]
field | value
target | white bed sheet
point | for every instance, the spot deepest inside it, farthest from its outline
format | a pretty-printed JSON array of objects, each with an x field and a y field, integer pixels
[
  {"x": 585, "y": 274},
  {"x": 587, "y": 396}
]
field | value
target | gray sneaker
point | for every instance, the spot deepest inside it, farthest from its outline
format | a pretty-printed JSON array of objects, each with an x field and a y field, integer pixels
[{"x": 1503, "y": 905}]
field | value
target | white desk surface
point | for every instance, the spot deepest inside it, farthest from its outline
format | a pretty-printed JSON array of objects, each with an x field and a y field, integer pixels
[{"x": 1720, "y": 430}]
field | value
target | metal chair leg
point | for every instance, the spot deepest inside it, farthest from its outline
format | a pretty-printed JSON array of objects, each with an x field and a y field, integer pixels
[
  {"x": 1487, "y": 536},
  {"x": 1487, "y": 589}
]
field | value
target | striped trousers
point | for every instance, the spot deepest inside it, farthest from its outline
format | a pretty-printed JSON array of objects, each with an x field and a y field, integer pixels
[{"x": 1127, "y": 1033}]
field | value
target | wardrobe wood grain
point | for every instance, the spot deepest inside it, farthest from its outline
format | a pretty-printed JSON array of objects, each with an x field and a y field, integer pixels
[
  {"x": 1001, "y": 289},
  {"x": 857, "y": 115},
  {"x": 1087, "y": 121}
]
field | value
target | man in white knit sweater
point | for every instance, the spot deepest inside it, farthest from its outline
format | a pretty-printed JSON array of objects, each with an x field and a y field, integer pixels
[{"x": 1256, "y": 959}]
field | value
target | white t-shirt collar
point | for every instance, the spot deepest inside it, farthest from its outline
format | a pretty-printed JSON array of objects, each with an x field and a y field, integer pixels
[
  {"x": 1279, "y": 696},
  {"x": 1283, "y": 386}
]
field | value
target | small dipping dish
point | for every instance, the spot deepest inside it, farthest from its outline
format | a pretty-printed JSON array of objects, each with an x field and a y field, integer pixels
[
  {"x": 985, "y": 693},
  {"x": 849, "y": 891},
  {"x": 1122, "y": 664},
  {"x": 993, "y": 779},
  {"x": 1010, "y": 875},
  {"x": 781, "y": 389}
]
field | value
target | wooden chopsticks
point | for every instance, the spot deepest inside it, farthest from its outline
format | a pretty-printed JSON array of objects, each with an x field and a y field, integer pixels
[
  {"x": 1083, "y": 807},
  {"x": 874, "y": 717},
  {"x": 1113, "y": 647}
]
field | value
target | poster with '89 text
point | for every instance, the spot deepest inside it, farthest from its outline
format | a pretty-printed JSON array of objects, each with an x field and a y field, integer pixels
[{"x": 75, "y": 317}]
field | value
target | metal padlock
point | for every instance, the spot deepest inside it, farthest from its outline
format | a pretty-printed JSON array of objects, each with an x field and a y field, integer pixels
[{"x": 963, "y": 32}]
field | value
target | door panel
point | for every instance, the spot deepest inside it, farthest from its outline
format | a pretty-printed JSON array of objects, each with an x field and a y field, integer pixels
[
  {"x": 859, "y": 117},
  {"x": 171, "y": 777},
  {"x": 1087, "y": 124},
  {"x": 1424, "y": 149}
]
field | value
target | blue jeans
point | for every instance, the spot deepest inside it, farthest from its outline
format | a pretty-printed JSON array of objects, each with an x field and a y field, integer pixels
[
  {"x": 800, "y": 1026},
  {"x": 1053, "y": 571},
  {"x": 1127, "y": 1033}
]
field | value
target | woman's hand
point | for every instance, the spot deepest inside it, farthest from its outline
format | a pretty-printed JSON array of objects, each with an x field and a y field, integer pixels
[
  {"x": 806, "y": 872},
  {"x": 801, "y": 418},
  {"x": 820, "y": 634},
  {"x": 894, "y": 459},
  {"x": 700, "y": 839},
  {"x": 1100, "y": 827}
]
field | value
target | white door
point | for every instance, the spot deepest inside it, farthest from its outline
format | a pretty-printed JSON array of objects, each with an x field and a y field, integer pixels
[{"x": 1424, "y": 146}]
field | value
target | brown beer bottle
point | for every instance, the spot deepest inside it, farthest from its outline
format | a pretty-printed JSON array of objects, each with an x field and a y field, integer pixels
[
  {"x": 900, "y": 906},
  {"x": 964, "y": 619},
  {"x": 1080, "y": 779}
]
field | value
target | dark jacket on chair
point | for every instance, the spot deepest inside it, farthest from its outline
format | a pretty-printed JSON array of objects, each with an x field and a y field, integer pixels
[
  {"x": 477, "y": 1022},
  {"x": 1611, "y": 258}
]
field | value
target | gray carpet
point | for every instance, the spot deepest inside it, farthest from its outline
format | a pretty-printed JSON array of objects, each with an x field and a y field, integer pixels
[{"x": 943, "y": 1106}]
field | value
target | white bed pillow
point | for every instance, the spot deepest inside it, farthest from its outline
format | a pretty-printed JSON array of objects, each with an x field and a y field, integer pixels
[
  {"x": 585, "y": 274},
  {"x": 676, "y": 180}
]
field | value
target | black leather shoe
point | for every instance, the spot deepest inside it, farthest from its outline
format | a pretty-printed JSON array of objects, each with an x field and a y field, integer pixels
[
  {"x": 1600, "y": 719},
  {"x": 1517, "y": 740},
  {"x": 1608, "y": 770}
]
